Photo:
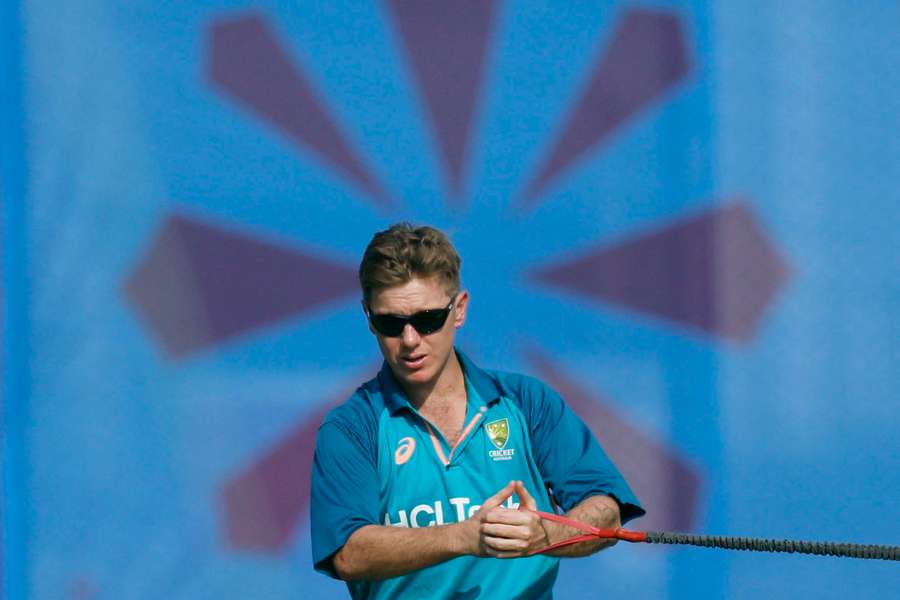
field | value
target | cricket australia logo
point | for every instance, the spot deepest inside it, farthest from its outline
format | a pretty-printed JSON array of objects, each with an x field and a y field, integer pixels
[{"x": 498, "y": 433}]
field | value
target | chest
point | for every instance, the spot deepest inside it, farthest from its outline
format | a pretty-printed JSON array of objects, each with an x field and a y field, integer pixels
[
  {"x": 425, "y": 482},
  {"x": 449, "y": 420}
]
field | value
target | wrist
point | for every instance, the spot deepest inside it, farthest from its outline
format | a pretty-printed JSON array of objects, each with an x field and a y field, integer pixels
[
  {"x": 555, "y": 531},
  {"x": 461, "y": 539}
]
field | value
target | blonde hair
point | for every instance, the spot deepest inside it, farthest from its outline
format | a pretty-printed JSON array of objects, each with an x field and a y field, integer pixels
[{"x": 402, "y": 252}]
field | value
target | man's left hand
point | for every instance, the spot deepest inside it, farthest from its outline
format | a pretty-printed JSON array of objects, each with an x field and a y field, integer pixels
[{"x": 513, "y": 533}]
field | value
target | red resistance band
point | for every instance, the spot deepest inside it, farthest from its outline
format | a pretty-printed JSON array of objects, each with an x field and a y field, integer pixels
[
  {"x": 873, "y": 551},
  {"x": 590, "y": 533}
]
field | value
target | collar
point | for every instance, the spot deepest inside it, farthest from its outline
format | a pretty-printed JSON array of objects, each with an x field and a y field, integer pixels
[{"x": 395, "y": 398}]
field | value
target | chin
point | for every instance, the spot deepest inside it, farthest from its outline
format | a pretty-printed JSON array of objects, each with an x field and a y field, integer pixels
[{"x": 419, "y": 376}]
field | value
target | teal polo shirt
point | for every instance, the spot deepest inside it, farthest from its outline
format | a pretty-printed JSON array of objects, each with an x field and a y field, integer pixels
[{"x": 379, "y": 462}]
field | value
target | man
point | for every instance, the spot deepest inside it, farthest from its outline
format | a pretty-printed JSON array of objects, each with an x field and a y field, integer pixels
[{"x": 431, "y": 471}]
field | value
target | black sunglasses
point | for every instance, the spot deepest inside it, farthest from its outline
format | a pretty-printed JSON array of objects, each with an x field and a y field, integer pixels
[{"x": 424, "y": 321}]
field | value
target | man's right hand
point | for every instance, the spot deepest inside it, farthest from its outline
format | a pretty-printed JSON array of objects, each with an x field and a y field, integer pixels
[
  {"x": 476, "y": 529},
  {"x": 376, "y": 552}
]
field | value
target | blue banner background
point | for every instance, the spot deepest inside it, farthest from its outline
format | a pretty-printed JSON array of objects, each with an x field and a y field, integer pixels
[{"x": 151, "y": 421}]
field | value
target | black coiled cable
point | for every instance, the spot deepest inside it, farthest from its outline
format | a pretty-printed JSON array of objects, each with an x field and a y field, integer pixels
[{"x": 770, "y": 545}]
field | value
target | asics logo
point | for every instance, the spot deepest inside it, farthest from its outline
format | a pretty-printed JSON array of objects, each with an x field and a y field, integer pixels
[{"x": 405, "y": 449}]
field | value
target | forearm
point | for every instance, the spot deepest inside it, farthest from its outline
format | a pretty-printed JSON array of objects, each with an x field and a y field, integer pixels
[
  {"x": 379, "y": 552},
  {"x": 599, "y": 511}
]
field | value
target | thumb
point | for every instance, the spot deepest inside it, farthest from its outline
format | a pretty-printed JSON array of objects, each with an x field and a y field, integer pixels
[
  {"x": 499, "y": 498},
  {"x": 526, "y": 500}
]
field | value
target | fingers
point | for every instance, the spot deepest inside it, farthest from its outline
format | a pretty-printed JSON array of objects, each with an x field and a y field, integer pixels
[
  {"x": 506, "y": 532},
  {"x": 508, "y": 541},
  {"x": 501, "y": 530},
  {"x": 492, "y": 510},
  {"x": 498, "y": 498},
  {"x": 496, "y": 546},
  {"x": 509, "y": 516},
  {"x": 526, "y": 501}
]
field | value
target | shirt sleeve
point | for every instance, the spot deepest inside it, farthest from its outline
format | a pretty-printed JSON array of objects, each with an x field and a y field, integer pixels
[
  {"x": 570, "y": 459},
  {"x": 344, "y": 491}
]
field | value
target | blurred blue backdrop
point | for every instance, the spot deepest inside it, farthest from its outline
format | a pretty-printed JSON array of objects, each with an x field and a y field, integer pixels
[{"x": 683, "y": 215}]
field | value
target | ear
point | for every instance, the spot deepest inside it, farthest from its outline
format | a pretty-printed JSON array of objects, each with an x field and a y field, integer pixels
[{"x": 460, "y": 309}]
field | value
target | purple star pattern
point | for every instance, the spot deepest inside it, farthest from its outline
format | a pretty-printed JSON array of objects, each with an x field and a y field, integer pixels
[
  {"x": 446, "y": 44},
  {"x": 248, "y": 64},
  {"x": 263, "y": 504},
  {"x": 646, "y": 58},
  {"x": 199, "y": 285},
  {"x": 716, "y": 272}
]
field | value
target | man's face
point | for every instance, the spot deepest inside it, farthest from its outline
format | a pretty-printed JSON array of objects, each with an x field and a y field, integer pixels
[{"x": 414, "y": 358}]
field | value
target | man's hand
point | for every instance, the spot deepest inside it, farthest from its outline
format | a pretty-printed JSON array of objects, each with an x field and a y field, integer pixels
[
  {"x": 379, "y": 552},
  {"x": 510, "y": 533}
]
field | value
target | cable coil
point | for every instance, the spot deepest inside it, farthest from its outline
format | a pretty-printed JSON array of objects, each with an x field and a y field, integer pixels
[
  {"x": 872, "y": 551},
  {"x": 771, "y": 545}
]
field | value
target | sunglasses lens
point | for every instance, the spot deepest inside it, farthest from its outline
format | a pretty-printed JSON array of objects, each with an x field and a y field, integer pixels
[
  {"x": 388, "y": 325},
  {"x": 429, "y": 321}
]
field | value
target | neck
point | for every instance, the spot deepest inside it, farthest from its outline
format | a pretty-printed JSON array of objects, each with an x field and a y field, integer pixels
[{"x": 448, "y": 386}]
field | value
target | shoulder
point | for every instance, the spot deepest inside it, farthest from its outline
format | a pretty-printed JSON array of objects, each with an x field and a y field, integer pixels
[
  {"x": 518, "y": 384},
  {"x": 356, "y": 418},
  {"x": 533, "y": 397}
]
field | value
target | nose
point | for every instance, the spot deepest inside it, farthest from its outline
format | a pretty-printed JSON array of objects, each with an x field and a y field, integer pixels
[{"x": 410, "y": 337}]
